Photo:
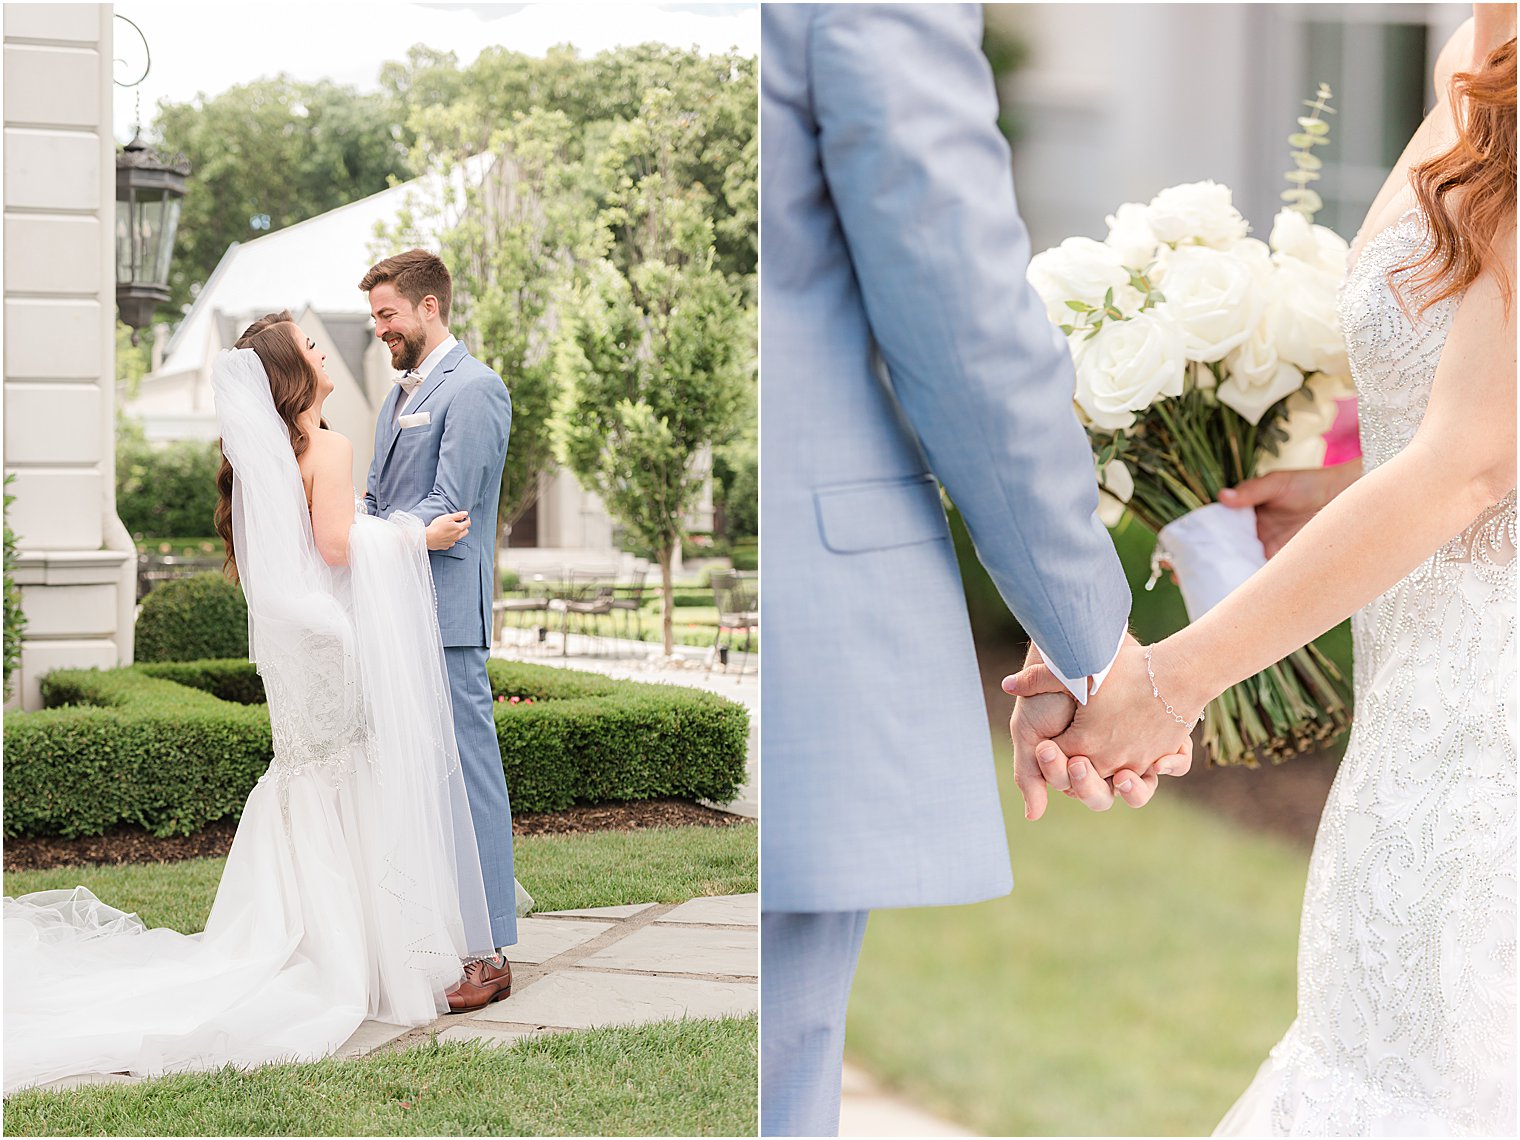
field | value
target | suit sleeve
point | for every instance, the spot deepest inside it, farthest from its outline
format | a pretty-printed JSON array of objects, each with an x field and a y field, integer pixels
[
  {"x": 920, "y": 176},
  {"x": 372, "y": 480},
  {"x": 471, "y": 451}
]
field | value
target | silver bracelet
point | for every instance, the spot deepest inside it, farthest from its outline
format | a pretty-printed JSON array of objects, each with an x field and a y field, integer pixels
[{"x": 1155, "y": 692}]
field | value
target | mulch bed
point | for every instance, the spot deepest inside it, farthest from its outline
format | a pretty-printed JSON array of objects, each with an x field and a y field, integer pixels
[{"x": 134, "y": 845}]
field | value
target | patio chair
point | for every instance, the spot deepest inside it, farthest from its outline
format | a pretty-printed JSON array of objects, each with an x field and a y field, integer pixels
[
  {"x": 628, "y": 599},
  {"x": 534, "y": 599},
  {"x": 588, "y": 594},
  {"x": 737, "y": 596}
]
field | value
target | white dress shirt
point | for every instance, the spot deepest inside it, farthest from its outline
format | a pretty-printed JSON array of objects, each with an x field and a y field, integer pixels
[{"x": 1079, "y": 687}]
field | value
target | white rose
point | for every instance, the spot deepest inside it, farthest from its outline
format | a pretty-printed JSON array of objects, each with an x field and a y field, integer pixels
[
  {"x": 1130, "y": 236},
  {"x": 1304, "y": 320},
  {"x": 1215, "y": 298},
  {"x": 1201, "y": 377},
  {"x": 1127, "y": 366},
  {"x": 1196, "y": 213},
  {"x": 1293, "y": 235},
  {"x": 1116, "y": 486},
  {"x": 1310, "y": 415},
  {"x": 1257, "y": 379},
  {"x": 1328, "y": 387},
  {"x": 1080, "y": 269}
]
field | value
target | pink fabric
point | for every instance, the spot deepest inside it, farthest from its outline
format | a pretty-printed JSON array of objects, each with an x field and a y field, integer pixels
[{"x": 1341, "y": 441}]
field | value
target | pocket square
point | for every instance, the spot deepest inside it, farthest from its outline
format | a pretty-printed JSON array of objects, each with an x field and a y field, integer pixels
[{"x": 417, "y": 419}]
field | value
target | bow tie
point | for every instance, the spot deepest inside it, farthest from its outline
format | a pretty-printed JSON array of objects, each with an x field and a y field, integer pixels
[{"x": 409, "y": 381}]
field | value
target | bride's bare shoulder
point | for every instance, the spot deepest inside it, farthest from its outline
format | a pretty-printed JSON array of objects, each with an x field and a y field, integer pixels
[
  {"x": 330, "y": 441},
  {"x": 1455, "y": 56}
]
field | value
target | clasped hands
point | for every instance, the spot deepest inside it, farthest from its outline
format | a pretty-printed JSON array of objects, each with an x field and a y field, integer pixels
[{"x": 1118, "y": 744}]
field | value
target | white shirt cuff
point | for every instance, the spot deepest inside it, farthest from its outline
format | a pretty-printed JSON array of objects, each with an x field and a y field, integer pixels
[{"x": 1079, "y": 688}]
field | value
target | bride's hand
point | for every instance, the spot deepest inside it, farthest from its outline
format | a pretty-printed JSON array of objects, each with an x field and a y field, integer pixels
[
  {"x": 1286, "y": 500},
  {"x": 1043, "y": 712},
  {"x": 444, "y": 531},
  {"x": 1122, "y": 731}
]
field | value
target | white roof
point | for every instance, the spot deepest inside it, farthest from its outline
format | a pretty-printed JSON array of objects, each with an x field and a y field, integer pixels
[{"x": 316, "y": 263}]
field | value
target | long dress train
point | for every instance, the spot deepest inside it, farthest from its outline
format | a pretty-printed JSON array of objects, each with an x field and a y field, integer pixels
[{"x": 353, "y": 885}]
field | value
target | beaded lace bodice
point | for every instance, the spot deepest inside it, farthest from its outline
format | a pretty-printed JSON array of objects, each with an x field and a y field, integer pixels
[{"x": 1406, "y": 1002}]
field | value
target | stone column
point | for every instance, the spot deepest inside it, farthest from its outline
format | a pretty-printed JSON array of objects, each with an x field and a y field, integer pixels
[{"x": 77, "y": 564}]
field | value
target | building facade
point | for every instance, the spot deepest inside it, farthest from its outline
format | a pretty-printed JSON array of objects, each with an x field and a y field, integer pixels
[
  {"x": 1116, "y": 101},
  {"x": 77, "y": 564}
]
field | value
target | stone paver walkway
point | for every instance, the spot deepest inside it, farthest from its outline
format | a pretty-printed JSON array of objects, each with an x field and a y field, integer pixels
[
  {"x": 580, "y": 969},
  {"x": 867, "y": 1109},
  {"x": 617, "y": 965}
]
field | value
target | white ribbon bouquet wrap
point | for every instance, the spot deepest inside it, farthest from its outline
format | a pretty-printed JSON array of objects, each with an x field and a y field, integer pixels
[{"x": 1212, "y": 551}]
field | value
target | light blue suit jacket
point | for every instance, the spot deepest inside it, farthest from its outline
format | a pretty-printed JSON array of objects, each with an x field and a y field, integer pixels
[
  {"x": 891, "y": 237},
  {"x": 453, "y": 463}
]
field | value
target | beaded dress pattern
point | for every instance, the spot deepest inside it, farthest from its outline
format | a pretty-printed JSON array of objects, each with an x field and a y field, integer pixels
[{"x": 1406, "y": 964}]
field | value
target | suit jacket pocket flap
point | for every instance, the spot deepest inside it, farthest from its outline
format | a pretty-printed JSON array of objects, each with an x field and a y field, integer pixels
[{"x": 856, "y": 517}]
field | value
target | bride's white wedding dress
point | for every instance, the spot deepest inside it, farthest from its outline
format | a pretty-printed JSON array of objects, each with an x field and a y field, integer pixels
[
  {"x": 353, "y": 886},
  {"x": 1406, "y": 961}
]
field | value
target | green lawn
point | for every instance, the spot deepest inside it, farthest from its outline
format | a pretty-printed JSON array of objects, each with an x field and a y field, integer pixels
[
  {"x": 1130, "y": 985},
  {"x": 561, "y": 872},
  {"x": 691, "y": 1078},
  {"x": 683, "y": 1079}
]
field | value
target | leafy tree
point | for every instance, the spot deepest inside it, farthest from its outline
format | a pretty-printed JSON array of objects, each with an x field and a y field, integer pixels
[
  {"x": 717, "y": 97},
  {"x": 167, "y": 491},
  {"x": 652, "y": 354},
  {"x": 270, "y": 153},
  {"x": 652, "y": 380},
  {"x": 510, "y": 236}
]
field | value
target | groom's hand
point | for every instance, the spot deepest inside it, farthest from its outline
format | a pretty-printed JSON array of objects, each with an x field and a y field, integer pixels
[
  {"x": 1071, "y": 771},
  {"x": 1123, "y": 725},
  {"x": 1036, "y": 718}
]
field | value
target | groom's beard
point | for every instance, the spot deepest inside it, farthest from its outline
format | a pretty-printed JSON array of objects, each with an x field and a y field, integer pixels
[{"x": 410, "y": 355}]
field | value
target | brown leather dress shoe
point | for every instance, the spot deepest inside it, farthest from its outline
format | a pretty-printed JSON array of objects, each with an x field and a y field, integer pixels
[{"x": 485, "y": 981}]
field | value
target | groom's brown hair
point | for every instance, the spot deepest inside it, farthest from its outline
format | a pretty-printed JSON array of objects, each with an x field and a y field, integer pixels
[{"x": 416, "y": 274}]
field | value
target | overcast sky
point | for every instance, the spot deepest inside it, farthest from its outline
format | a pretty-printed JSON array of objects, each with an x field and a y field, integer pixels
[{"x": 208, "y": 47}]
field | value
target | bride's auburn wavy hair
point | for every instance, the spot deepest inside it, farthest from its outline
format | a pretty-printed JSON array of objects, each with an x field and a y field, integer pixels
[
  {"x": 1481, "y": 165},
  {"x": 293, "y": 383}
]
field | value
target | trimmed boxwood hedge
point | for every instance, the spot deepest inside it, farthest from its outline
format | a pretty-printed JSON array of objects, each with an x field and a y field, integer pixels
[
  {"x": 172, "y": 747},
  {"x": 192, "y": 619}
]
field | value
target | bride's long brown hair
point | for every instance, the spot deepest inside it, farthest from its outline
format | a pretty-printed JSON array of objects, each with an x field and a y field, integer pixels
[
  {"x": 293, "y": 383},
  {"x": 1481, "y": 164}
]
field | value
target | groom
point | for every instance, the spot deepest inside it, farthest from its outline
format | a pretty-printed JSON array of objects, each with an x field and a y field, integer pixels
[
  {"x": 903, "y": 352},
  {"x": 440, "y": 443}
]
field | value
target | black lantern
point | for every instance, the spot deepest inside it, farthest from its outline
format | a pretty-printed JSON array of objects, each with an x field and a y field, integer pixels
[{"x": 148, "y": 193}]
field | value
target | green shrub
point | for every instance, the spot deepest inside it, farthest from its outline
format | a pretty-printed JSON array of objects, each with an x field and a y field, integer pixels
[
  {"x": 15, "y": 620},
  {"x": 746, "y": 555},
  {"x": 172, "y": 747},
  {"x": 165, "y": 492},
  {"x": 736, "y": 488},
  {"x": 192, "y": 619},
  {"x": 125, "y": 747}
]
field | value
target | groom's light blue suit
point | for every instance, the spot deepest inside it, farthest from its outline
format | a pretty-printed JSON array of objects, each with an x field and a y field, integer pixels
[
  {"x": 454, "y": 463},
  {"x": 902, "y": 352}
]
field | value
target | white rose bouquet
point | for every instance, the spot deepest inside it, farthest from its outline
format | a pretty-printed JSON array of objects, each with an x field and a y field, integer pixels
[{"x": 1204, "y": 357}]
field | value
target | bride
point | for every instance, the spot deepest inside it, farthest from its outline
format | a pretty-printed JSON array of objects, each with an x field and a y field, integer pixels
[
  {"x": 353, "y": 887},
  {"x": 1406, "y": 988}
]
